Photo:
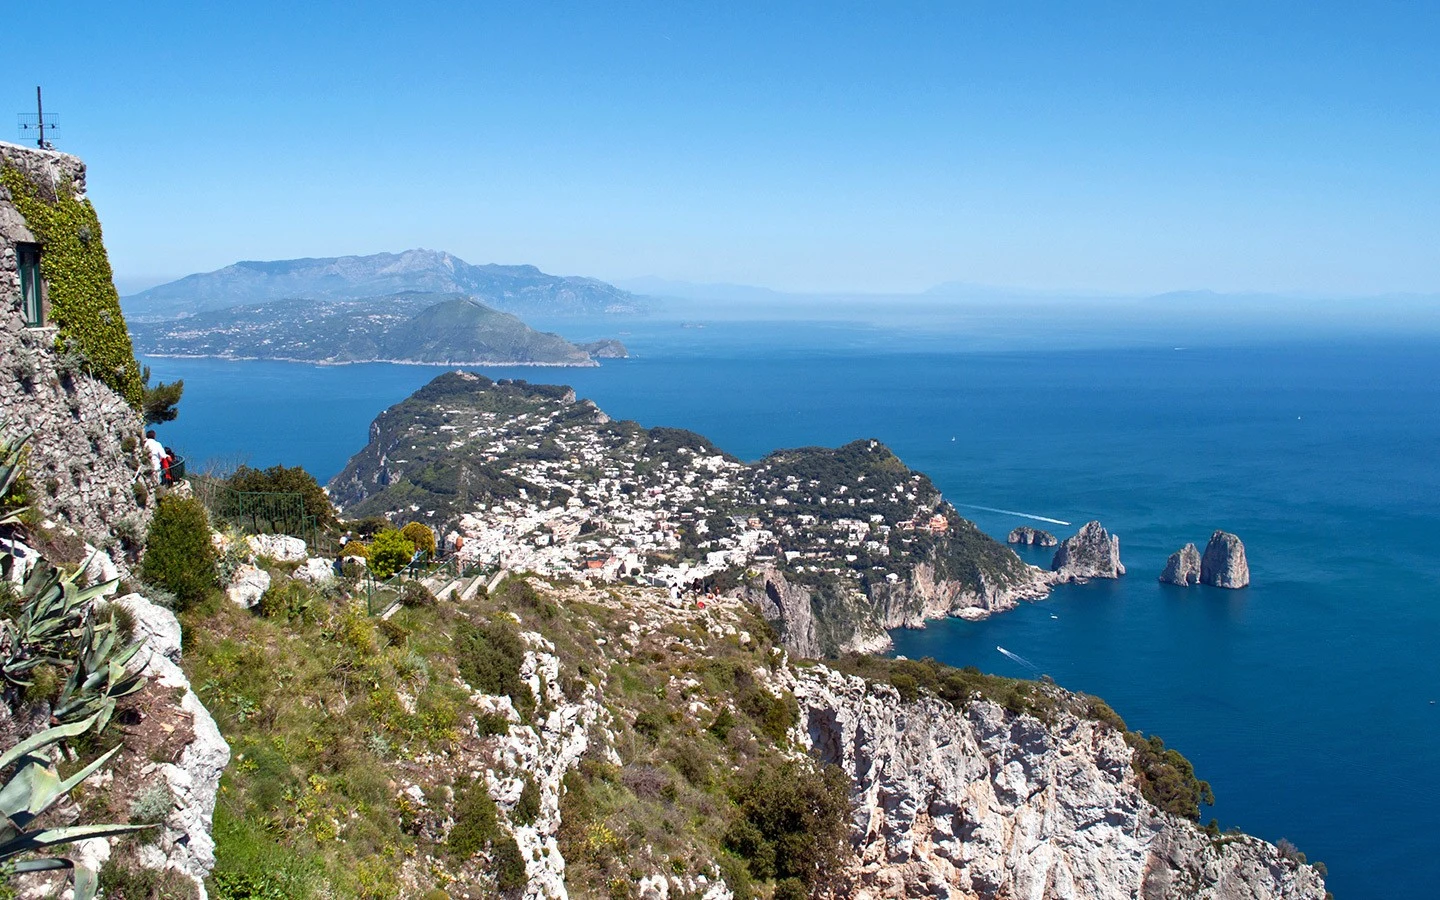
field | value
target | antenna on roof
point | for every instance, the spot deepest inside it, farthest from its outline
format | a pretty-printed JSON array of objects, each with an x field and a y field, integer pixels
[{"x": 33, "y": 125}]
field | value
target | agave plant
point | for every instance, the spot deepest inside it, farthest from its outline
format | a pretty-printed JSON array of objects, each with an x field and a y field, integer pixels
[
  {"x": 54, "y": 610},
  {"x": 10, "y": 456},
  {"x": 34, "y": 787},
  {"x": 57, "y": 625},
  {"x": 100, "y": 676}
]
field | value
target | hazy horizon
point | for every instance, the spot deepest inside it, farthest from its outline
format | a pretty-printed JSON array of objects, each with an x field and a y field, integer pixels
[{"x": 1116, "y": 148}]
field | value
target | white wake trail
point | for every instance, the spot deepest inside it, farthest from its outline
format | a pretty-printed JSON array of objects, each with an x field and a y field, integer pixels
[
  {"x": 1011, "y": 512},
  {"x": 1019, "y": 659}
]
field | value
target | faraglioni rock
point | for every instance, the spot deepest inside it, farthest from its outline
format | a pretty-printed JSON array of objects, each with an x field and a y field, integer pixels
[
  {"x": 1031, "y": 537},
  {"x": 1092, "y": 553},
  {"x": 1224, "y": 562},
  {"x": 1183, "y": 567}
]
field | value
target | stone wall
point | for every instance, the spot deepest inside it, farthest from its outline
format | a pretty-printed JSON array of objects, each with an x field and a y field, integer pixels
[{"x": 85, "y": 449}]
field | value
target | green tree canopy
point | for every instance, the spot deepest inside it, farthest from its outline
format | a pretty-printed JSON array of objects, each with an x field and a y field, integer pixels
[{"x": 288, "y": 479}]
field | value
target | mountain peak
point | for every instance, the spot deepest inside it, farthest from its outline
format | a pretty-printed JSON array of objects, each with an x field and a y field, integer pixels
[{"x": 511, "y": 288}]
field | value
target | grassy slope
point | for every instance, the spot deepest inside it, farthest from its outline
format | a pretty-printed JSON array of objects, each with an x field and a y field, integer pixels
[{"x": 331, "y": 714}]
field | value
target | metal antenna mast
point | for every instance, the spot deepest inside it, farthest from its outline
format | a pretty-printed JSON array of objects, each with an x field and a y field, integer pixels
[{"x": 33, "y": 125}]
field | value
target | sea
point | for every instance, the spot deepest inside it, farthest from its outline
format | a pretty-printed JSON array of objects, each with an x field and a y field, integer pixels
[{"x": 1308, "y": 700}]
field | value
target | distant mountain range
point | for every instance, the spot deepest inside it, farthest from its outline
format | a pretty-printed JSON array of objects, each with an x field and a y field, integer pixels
[
  {"x": 408, "y": 327},
  {"x": 524, "y": 290}
]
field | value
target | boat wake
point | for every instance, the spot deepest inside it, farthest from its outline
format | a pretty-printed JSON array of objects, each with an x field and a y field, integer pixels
[
  {"x": 1019, "y": 659},
  {"x": 1011, "y": 512}
]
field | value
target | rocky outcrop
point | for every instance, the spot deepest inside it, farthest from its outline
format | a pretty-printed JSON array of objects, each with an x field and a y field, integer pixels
[
  {"x": 1091, "y": 553},
  {"x": 823, "y": 621},
  {"x": 248, "y": 585},
  {"x": 1183, "y": 567},
  {"x": 1031, "y": 537},
  {"x": 926, "y": 595},
  {"x": 184, "y": 843},
  {"x": 608, "y": 348},
  {"x": 279, "y": 547},
  {"x": 1223, "y": 564},
  {"x": 791, "y": 606},
  {"x": 985, "y": 803}
]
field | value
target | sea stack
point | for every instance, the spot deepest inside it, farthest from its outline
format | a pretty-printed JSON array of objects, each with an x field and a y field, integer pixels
[
  {"x": 1224, "y": 564},
  {"x": 1032, "y": 537},
  {"x": 1183, "y": 567},
  {"x": 1092, "y": 553}
]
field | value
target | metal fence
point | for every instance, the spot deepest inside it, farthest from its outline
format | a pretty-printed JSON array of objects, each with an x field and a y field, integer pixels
[
  {"x": 263, "y": 512},
  {"x": 382, "y": 593}
]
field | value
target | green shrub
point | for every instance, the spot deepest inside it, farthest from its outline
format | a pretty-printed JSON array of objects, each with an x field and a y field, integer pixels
[
  {"x": 724, "y": 722},
  {"x": 287, "y": 599},
  {"x": 356, "y": 548},
  {"x": 389, "y": 553},
  {"x": 416, "y": 595},
  {"x": 791, "y": 889},
  {"x": 527, "y": 808},
  {"x": 421, "y": 536},
  {"x": 1167, "y": 779},
  {"x": 772, "y": 715},
  {"x": 736, "y": 874},
  {"x": 179, "y": 556},
  {"x": 508, "y": 862},
  {"x": 122, "y": 877},
  {"x": 251, "y": 865},
  {"x": 489, "y": 657},
  {"x": 477, "y": 821},
  {"x": 652, "y": 723},
  {"x": 792, "y": 820}
]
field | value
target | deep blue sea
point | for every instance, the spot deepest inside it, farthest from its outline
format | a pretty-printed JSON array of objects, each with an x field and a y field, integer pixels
[{"x": 1307, "y": 700}]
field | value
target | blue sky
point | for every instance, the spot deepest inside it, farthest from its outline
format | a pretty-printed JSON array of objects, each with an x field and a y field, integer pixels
[{"x": 818, "y": 146}]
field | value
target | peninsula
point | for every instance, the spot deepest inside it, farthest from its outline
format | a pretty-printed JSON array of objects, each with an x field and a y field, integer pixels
[
  {"x": 837, "y": 545},
  {"x": 430, "y": 329}
]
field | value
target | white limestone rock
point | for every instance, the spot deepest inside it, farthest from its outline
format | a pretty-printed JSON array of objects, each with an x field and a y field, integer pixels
[
  {"x": 1224, "y": 564},
  {"x": 99, "y": 567},
  {"x": 1092, "y": 552},
  {"x": 247, "y": 586},
  {"x": 279, "y": 547},
  {"x": 185, "y": 843},
  {"x": 1183, "y": 567},
  {"x": 22, "y": 558},
  {"x": 156, "y": 626},
  {"x": 316, "y": 570},
  {"x": 987, "y": 803}
]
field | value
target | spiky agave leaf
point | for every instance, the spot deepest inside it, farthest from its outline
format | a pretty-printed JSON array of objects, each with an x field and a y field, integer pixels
[{"x": 33, "y": 788}]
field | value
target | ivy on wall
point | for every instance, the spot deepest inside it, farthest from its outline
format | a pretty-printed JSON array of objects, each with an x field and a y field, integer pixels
[{"x": 83, "y": 301}]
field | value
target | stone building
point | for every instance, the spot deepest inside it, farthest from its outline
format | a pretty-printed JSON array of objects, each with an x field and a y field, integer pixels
[{"x": 68, "y": 376}]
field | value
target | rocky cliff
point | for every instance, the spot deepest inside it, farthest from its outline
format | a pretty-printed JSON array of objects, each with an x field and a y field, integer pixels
[
  {"x": 1031, "y": 537},
  {"x": 1183, "y": 567},
  {"x": 566, "y": 740},
  {"x": 982, "y": 802},
  {"x": 1092, "y": 552},
  {"x": 1224, "y": 564}
]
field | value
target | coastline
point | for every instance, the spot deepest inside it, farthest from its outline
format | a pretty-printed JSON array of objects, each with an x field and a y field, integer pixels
[{"x": 588, "y": 364}]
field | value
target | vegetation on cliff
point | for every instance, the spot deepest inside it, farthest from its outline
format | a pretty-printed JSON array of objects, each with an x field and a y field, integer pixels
[
  {"x": 1167, "y": 779},
  {"x": 83, "y": 300}
]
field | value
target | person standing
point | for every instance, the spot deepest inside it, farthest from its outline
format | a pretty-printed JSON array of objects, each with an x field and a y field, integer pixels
[{"x": 157, "y": 453}]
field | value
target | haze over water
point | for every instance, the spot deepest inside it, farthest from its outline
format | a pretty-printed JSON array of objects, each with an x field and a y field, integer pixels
[{"x": 1305, "y": 699}]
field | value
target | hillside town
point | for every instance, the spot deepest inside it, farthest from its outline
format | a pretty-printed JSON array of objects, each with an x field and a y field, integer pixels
[{"x": 571, "y": 493}]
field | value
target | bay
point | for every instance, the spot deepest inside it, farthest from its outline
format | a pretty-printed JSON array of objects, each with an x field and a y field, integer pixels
[{"x": 1305, "y": 699}]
